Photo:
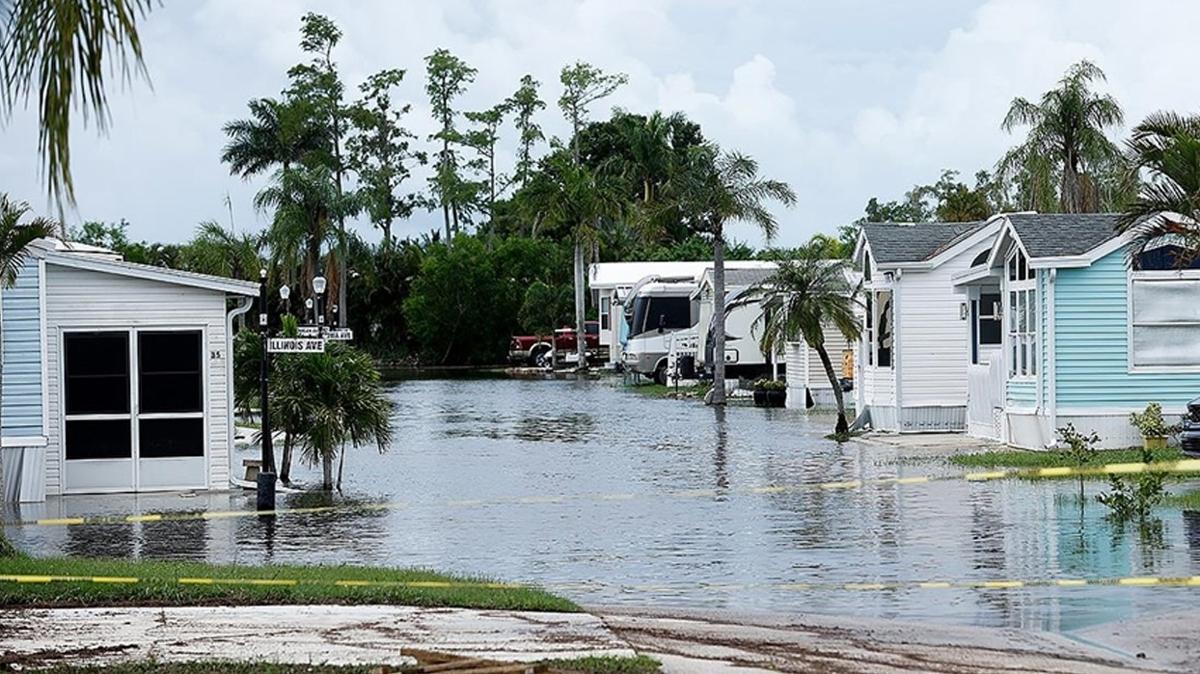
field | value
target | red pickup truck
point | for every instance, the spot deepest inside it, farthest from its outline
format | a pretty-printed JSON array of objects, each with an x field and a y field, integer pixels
[{"x": 535, "y": 349}]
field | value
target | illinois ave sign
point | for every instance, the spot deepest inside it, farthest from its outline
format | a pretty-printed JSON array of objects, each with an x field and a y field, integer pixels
[{"x": 295, "y": 345}]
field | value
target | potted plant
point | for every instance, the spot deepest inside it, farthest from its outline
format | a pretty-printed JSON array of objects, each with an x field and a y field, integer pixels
[
  {"x": 1152, "y": 426},
  {"x": 770, "y": 392}
]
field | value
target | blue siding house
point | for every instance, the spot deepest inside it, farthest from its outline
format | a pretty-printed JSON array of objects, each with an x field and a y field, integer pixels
[{"x": 1087, "y": 338}]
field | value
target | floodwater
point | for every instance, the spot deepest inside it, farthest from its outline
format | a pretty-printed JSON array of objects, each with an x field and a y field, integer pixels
[{"x": 612, "y": 497}]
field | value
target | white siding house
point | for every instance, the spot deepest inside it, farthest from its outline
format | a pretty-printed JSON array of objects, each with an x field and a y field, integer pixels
[
  {"x": 116, "y": 376},
  {"x": 913, "y": 357}
]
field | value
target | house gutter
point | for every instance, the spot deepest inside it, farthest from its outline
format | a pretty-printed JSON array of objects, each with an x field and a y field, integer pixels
[{"x": 243, "y": 306}]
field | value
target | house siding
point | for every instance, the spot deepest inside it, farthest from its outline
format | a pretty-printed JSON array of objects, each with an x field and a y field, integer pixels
[
  {"x": 934, "y": 336},
  {"x": 1092, "y": 342},
  {"x": 1021, "y": 393},
  {"x": 22, "y": 352},
  {"x": 79, "y": 299}
]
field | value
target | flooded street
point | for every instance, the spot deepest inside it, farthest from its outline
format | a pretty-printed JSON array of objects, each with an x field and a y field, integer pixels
[{"x": 611, "y": 497}]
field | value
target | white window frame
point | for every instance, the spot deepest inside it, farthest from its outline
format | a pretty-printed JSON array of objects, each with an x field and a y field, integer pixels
[
  {"x": 1017, "y": 342},
  {"x": 606, "y": 313},
  {"x": 1151, "y": 276}
]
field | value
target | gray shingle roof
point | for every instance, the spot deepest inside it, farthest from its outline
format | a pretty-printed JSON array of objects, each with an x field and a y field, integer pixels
[
  {"x": 745, "y": 277},
  {"x": 893, "y": 242},
  {"x": 1056, "y": 234}
]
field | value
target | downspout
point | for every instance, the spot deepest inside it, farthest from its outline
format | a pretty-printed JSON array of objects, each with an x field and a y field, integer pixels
[
  {"x": 243, "y": 306},
  {"x": 896, "y": 348},
  {"x": 1051, "y": 349}
]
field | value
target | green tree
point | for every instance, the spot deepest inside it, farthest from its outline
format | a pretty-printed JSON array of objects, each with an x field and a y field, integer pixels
[
  {"x": 1166, "y": 147},
  {"x": 340, "y": 401},
  {"x": 220, "y": 252},
  {"x": 714, "y": 189},
  {"x": 808, "y": 294},
  {"x": 447, "y": 78},
  {"x": 277, "y": 134},
  {"x": 524, "y": 104},
  {"x": 380, "y": 152},
  {"x": 452, "y": 310},
  {"x": 1066, "y": 144},
  {"x": 583, "y": 84},
  {"x": 385, "y": 278},
  {"x": 50, "y": 47},
  {"x": 483, "y": 139},
  {"x": 16, "y": 234},
  {"x": 319, "y": 82},
  {"x": 579, "y": 199}
]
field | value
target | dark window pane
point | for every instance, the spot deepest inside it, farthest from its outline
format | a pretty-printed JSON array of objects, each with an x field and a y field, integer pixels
[
  {"x": 169, "y": 372},
  {"x": 97, "y": 372},
  {"x": 670, "y": 313},
  {"x": 108, "y": 439},
  {"x": 160, "y": 438},
  {"x": 989, "y": 332}
]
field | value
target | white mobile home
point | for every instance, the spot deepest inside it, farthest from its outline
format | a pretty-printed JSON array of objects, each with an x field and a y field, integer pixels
[
  {"x": 116, "y": 375},
  {"x": 610, "y": 283},
  {"x": 912, "y": 361}
]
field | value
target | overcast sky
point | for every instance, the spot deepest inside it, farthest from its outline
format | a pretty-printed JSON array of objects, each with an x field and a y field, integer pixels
[{"x": 844, "y": 100}]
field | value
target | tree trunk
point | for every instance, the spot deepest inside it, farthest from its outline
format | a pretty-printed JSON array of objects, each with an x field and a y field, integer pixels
[
  {"x": 341, "y": 466},
  {"x": 327, "y": 470},
  {"x": 841, "y": 428},
  {"x": 285, "y": 468},
  {"x": 580, "y": 338},
  {"x": 718, "y": 393}
]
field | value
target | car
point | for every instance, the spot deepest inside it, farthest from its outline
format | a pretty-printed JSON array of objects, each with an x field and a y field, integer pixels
[
  {"x": 536, "y": 350},
  {"x": 1189, "y": 436}
]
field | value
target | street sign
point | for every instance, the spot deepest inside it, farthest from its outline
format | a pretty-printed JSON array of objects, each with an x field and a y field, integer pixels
[
  {"x": 295, "y": 345},
  {"x": 308, "y": 331},
  {"x": 339, "y": 334}
]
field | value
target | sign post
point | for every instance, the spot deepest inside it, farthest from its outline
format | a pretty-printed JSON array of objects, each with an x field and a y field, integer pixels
[{"x": 266, "y": 475}]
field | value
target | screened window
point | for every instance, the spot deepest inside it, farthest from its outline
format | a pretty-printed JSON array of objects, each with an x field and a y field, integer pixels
[
  {"x": 169, "y": 372},
  {"x": 1022, "y": 317},
  {"x": 96, "y": 400},
  {"x": 883, "y": 329},
  {"x": 1165, "y": 329},
  {"x": 870, "y": 331},
  {"x": 162, "y": 438},
  {"x": 605, "y": 309}
]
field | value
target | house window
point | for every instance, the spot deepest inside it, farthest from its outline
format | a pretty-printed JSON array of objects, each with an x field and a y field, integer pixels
[
  {"x": 1022, "y": 316},
  {"x": 869, "y": 333},
  {"x": 990, "y": 325},
  {"x": 96, "y": 405},
  {"x": 605, "y": 309},
  {"x": 883, "y": 329},
  {"x": 866, "y": 270},
  {"x": 1164, "y": 320}
]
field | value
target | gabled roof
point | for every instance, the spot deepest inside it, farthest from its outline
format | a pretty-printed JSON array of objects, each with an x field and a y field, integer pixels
[
  {"x": 735, "y": 278},
  {"x": 894, "y": 243},
  {"x": 1063, "y": 234}
]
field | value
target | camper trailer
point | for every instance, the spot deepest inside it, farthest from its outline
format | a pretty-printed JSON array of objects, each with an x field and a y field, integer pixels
[{"x": 743, "y": 356}]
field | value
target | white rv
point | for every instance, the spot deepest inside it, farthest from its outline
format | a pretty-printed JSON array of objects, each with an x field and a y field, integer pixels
[
  {"x": 655, "y": 310},
  {"x": 743, "y": 356}
]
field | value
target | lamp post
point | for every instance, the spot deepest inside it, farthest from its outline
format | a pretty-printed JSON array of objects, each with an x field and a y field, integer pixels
[
  {"x": 285, "y": 293},
  {"x": 266, "y": 473},
  {"x": 318, "y": 286},
  {"x": 308, "y": 310}
]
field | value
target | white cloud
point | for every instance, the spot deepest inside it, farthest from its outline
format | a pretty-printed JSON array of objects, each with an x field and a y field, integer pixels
[{"x": 842, "y": 103}]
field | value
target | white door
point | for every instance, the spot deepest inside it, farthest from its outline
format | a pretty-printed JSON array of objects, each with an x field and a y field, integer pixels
[{"x": 134, "y": 410}]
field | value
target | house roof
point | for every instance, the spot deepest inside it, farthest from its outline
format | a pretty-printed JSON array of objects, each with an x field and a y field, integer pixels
[
  {"x": 104, "y": 264},
  {"x": 1063, "y": 234},
  {"x": 735, "y": 278},
  {"x": 897, "y": 243}
]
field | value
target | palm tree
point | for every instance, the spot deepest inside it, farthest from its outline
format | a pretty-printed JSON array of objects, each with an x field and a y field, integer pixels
[
  {"x": 220, "y": 252},
  {"x": 710, "y": 190},
  {"x": 1166, "y": 146},
  {"x": 306, "y": 203},
  {"x": 47, "y": 49},
  {"x": 15, "y": 238},
  {"x": 337, "y": 398},
  {"x": 579, "y": 198},
  {"x": 806, "y": 295},
  {"x": 1065, "y": 141},
  {"x": 277, "y": 134}
]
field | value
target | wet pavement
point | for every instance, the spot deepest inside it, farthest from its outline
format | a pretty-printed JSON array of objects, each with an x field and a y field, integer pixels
[{"x": 658, "y": 508}]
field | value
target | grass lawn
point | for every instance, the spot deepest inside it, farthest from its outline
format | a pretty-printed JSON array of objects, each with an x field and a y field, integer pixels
[
  {"x": 670, "y": 391},
  {"x": 158, "y": 584},
  {"x": 589, "y": 665},
  {"x": 1188, "y": 500},
  {"x": 1019, "y": 458}
]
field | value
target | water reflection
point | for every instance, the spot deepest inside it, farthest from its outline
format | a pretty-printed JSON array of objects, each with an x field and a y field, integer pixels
[{"x": 656, "y": 494}]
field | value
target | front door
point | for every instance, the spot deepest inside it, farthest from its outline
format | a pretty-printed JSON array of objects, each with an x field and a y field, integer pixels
[{"x": 133, "y": 403}]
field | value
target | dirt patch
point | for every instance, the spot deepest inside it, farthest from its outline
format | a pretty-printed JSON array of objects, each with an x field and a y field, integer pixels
[{"x": 12, "y": 661}]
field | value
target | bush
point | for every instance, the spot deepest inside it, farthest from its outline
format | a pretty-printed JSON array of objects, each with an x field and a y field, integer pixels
[
  {"x": 1151, "y": 424},
  {"x": 765, "y": 384},
  {"x": 1132, "y": 498},
  {"x": 1080, "y": 449}
]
